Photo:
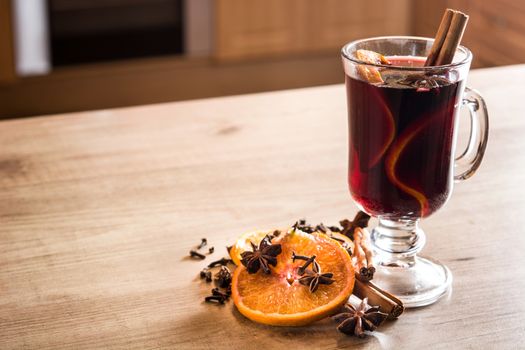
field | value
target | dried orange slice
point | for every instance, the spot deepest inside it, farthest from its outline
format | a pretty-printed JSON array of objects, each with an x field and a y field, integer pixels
[
  {"x": 255, "y": 237},
  {"x": 343, "y": 240},
  {"x": 279, "y": 299},
  {"x": 370, "y": 74},
  {"x": 369, "y": 56}
]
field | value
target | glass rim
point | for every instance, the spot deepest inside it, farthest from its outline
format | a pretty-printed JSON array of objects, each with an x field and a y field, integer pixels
[{"x": 346, "y": 55}]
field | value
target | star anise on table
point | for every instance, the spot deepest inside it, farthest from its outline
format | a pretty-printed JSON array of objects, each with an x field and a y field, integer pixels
[
  {"x": 361, "y": 219},
  {"x": 302, "y": 225},
  {"x": 313, "y": 278},
  {"x": 262, "y": 256},
  {"x": 355, "y": 321}
]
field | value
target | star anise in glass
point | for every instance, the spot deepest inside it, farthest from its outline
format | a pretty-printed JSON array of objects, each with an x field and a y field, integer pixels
[
  {"x": 424, "y": 82},
  {"x": 313, "y": 278},
  {"x": 262, "y": 256},
  {"x": 355, "y": 321}
]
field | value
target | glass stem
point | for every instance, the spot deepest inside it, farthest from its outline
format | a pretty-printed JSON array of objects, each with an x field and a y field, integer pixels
[{"x": 396, "y": 242}]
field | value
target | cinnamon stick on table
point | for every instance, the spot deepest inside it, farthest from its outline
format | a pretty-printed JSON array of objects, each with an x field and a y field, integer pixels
[
  {"x": 363, "y": 254},
  {"x": 376, "y": 296},
  {"x": 447, "y": 39}
]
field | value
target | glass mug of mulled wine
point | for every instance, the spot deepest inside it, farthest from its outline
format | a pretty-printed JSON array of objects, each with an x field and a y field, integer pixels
[{"x": 402, "y": 121}]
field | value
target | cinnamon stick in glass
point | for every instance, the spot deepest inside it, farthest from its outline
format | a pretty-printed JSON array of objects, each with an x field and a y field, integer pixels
[
  {"x": 440, "y": 37},
  {"x": 447, "y": 39}
]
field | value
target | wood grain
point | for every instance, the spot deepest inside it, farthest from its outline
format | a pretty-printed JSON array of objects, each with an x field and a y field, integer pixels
[
  {"x": 495, "y": 32},
  {"x": 272, "y": 28},
  {"x": 98, "y": 211}
]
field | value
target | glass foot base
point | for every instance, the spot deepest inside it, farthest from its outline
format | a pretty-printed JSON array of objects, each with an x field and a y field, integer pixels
[{"x": 421, "y": 283}]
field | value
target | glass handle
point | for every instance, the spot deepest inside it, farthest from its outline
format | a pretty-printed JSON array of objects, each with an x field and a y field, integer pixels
[{"x": 468, "y": 162}]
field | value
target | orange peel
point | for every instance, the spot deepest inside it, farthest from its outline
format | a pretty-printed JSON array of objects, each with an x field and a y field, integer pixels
[
  {"x": 392, "y": 159},
  {"x": 368, "y": 73}
]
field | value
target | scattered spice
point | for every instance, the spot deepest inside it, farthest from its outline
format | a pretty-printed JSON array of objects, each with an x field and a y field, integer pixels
[
  {"x": 302, "y": 269},
  {"x": 355, "y": 321},
  {"x": 302, "y": 225},
  {"x": 224, "y": 277},
  {"x": 196, "y": 254},
  {"x": 262, "y": 256},
  {"x": 321, "y": 228},
  {"x": 348, "y": 248},
  {"x": 313, "y": 278},
  {"x": 298, "y": 257},
  {"x": 334, "y": 228},
  {"x": 215, "y": 299},
  {"x": 367, "y": 273},
  {"x": 228, "y": 290},
  {"x": 203, "y": 243},
  {"x": 218, "y": 296},
  {"x": 220, "y": 262},
  {"x": 217, "y": 292},
  {"x": 337, "y": 239},
  {"x": 363, "y": 254},
  {"x": 208, "y": 276},
  {"x": 361, "y": 219}
]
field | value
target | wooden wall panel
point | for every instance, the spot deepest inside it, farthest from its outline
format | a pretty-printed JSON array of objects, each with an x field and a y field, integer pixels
[
  {"x": 495, "y": 32},
  {"x": 336, "y": 22},
  {"x": 263, "y": 28},
  {"x": 251, "y": 28},
  {"x": 427, "y": 15}
]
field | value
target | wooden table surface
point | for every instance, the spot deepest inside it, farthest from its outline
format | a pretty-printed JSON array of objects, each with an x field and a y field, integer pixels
[{"x": 98, "y": 211}]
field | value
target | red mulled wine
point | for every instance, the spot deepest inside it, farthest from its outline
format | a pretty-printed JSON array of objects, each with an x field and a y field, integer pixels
[{"x": 401, "y": 141}]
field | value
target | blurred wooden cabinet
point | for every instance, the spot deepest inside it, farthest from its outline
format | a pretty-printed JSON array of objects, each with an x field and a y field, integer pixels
[
  {"x": 336, "y": 22},
  {"x": 247, "y": 28},
  {"x": 495, "y": 32},
  {"x": 262, "y": 28},
  {"x": 236, "y": 46}
]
